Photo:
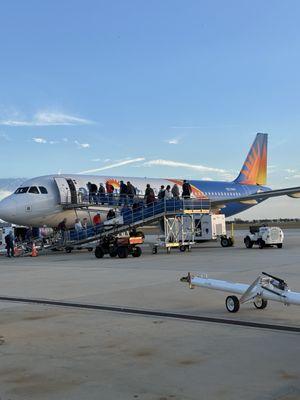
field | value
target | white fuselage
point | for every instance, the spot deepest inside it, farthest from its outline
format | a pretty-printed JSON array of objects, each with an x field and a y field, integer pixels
[{"x": 41, "y": 202}]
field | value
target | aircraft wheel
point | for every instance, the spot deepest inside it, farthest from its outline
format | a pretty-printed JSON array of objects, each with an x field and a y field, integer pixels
[
  {"x": 260, "y": 304},
  {"x": 279, "y": 245},
  {"x": 261, "y": 244},
  {"x": 182, "y": 248},
  {"x": 136, "y": 252},
  {"x": 122, "y": 252},
  {"x": 248, "y": 242},
  {"x": 232, "y": 304},
  {"x": 224, "y": 242}
]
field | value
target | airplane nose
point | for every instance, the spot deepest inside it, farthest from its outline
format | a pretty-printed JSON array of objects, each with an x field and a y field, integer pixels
[{"x": 8, "y": 209}]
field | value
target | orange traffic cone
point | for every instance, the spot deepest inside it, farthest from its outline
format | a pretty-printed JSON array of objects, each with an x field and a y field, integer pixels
[{"x": 34, "y": 252}]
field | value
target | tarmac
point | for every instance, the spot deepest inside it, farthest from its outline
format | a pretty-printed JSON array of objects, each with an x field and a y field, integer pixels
[{"x": 50, "y": 352}]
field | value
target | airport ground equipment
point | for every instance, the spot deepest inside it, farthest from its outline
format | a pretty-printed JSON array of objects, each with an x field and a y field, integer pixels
[
  {"x": 120, "y": 246},
  {"x": 136, "y": 217},
  {"x": 182, "y": 231},
  {"x": 265, "y": 287},
  {"x": 264, "y": 236}
]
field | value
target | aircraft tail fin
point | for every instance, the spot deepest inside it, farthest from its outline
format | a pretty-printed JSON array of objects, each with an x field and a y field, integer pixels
[{"x": 254, "y": 170}]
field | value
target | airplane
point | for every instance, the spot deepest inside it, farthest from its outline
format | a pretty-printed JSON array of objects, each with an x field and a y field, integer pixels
[
  {"x": 47, "y": 200},
  {"x": 265, "y": 287}
]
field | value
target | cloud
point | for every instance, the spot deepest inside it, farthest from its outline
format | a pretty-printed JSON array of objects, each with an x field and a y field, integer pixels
[
  {"x": 46, "y": 118},
  {"x": 82, "y": 145},
  {"x": 174, "y": 140},
  {"x": 4, "y": 193},
  {"x": 119, "y": 164},
  {"x": 39, "y": 140},
  {"x": 4, "y": 136},
  {"x": 176, "y": 164}
]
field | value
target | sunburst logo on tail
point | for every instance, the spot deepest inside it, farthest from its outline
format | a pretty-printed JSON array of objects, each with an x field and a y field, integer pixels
[{"x": 254, "y": 170}]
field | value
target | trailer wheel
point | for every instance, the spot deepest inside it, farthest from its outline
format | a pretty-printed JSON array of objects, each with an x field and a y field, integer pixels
[
  {"x": 113, "y": 253},
  {"x": 261, "y": 244},
  {"x": 232, "y": 304},
  {"x": 279, "y": 245},
  {"x": 224, "y": 242},
  {"x": 99, "y": 253},
  {"x": 122, "y": 252},
  {"x": 248, "y": 242},
  {"x": 136, "y": 251},
  {"x": 260, "y": 304},
  {"x": 182, "y": 248}
]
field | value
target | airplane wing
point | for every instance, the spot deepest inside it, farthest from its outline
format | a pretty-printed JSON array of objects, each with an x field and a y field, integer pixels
[{"x": 256, "y": 197}]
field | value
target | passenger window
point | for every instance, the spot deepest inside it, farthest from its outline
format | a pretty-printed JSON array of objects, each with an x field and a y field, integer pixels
[
  {"x": 34, "y": 190},
  {"x": 43, "y": 190}
]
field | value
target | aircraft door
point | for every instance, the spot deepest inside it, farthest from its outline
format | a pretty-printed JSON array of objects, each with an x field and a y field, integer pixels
[
  {"x": 73, "y": 191},
  {"x": 64, "y": 190}
]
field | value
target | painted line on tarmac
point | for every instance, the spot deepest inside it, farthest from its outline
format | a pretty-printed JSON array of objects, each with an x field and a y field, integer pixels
[{"x": 151, "y": 313}]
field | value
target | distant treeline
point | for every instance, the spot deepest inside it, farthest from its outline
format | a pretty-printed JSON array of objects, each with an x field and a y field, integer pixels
[{"x": 262, "y": 221}]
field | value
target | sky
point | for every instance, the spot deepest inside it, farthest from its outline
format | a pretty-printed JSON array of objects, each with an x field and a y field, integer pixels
[{"x": 159, "y": 88}]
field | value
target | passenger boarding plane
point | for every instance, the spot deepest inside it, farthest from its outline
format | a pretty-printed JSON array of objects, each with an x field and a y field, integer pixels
[{"x": 42, "y": 201}]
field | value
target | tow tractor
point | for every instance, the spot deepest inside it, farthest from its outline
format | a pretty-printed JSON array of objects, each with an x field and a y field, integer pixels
[
  {"x": 265, "y": 287},
  {"x": 120, "y": 245},
  {"x": 264, "y": 236}
]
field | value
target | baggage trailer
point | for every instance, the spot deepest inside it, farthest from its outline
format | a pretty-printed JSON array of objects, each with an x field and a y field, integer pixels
[{"x": 120, "y": 246}]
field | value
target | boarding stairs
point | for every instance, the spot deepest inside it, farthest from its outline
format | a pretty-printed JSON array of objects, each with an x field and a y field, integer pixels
[{"x": 134, "y": 218}]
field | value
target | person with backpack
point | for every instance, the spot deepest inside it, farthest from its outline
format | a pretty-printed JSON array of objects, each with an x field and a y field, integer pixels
[
  {"x": 101, "y": 193},
  {"x": 131, "y": 192},
  {"x": 9, "y": 241},
  {"x": 149, "y": 195},
  {"x": 186, "y": 190},
  {"x": 110, "y": 192},
  {"x": 161, "y": 193},
  {"x": 123, "y": 193}
]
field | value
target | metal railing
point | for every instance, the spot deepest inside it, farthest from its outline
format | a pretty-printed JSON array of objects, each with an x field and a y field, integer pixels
[{"x": 138, "y": 215}]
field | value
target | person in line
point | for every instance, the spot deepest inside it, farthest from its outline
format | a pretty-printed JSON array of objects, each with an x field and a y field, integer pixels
[
  {"x": 149, "y": 194},
  {"x": 175, "y": 191},
  {"x": 9, "y": 241},
  {"x": 123, "y": 193},
  {"x": 168, "y": 193},
  {"x": 85, "y": 226},
  {"x": 78, "y": 228},
  {"x": 92, "y": 192},
  {"x": 111, "y": 214},
  {"x": 101, "y": 194},
  {"x": 161, "y": 193},
  {"x": 131, "y": 192},
  {"x": 186, "y": 190},
  {"x": 62, "y": 228},
  {"x": 110, "y": 192},
  {"x": 78, "y": 225},
  {"x": 97, "y": 222}
]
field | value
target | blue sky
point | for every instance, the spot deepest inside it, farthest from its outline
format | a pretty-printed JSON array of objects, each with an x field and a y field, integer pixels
[{"x": 160, "y": 88}]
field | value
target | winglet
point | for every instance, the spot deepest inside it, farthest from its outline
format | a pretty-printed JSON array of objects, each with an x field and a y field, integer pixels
[{"x": 254, "y": 170}]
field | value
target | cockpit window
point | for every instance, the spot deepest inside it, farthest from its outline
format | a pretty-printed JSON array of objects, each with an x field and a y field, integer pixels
[
  {"x": 43, "y": 190},
  {"x": 22, "y": 190},
  {"x": 34, "y": 190}
]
